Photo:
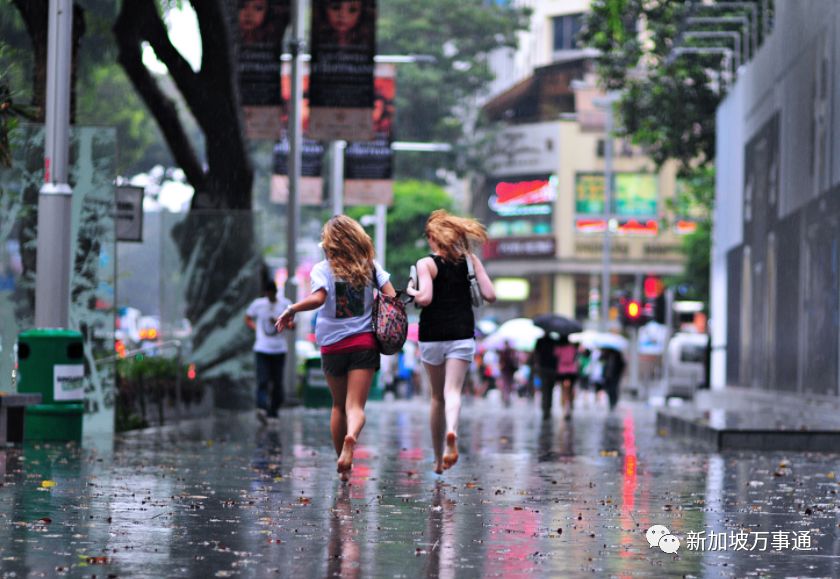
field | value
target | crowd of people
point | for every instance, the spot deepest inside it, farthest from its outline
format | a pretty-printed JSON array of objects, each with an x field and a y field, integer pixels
[{"x": 445, "y": 360}]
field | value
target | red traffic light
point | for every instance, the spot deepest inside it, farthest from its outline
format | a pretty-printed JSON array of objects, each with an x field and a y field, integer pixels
[{"x": 632, "y": 314}]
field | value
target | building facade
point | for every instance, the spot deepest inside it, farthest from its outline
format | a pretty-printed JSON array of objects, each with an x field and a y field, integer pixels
[
  {"x": 542, "y": 191},
  {"x": 776, "y": 258}
]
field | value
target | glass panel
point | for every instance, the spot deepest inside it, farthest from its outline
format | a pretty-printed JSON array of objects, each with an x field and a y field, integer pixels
[{"x": 93, "y": 158}]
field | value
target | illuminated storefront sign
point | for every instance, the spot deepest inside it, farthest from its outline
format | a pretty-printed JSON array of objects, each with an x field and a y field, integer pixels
[
  {"x": 521, "y": 207},
  {"x": 618, "y": 226},
  {"x": 634, "y": 194},
  {"x": 512, "y": 289}
]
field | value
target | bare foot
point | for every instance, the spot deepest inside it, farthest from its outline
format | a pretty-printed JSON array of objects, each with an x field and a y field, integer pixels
[
  {"x": 438, "y": 467},
  {"x": 345, "y": 459},
  {"x": 450, "y": 457}
]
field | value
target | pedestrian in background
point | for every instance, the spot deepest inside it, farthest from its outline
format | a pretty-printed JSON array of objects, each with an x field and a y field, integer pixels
[
  {"x": 508, "y": 365},
  {"x": 584, "y": 359},
  {"x": 546, "y": 368},
  {"x": 269, "y": 350},
  {"x": 342, "y": 287},
  {"x": 447, "y": 323},
  {"x": 613, "y": 363},
  {"x": 567, "y": 373}
]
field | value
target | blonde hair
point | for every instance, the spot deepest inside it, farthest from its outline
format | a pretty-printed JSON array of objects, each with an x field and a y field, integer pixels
[
  {"x": 349, "y": 250},
  {"x": 454, "y": 236}
]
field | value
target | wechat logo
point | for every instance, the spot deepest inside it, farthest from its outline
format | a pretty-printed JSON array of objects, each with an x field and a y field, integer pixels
[{"x": 660, "y": 536}]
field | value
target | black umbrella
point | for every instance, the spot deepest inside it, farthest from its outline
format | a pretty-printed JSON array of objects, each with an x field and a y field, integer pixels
[{"x": 558, "y": 324}]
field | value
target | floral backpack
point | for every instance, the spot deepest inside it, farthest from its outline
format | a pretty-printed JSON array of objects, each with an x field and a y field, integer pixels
[{"x": 389, "y": 320}]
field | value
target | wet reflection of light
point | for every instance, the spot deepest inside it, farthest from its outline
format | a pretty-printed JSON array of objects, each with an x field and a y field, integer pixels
[
  {"x": 343, "y": 550},
  {"x": 514, "y": 529},
  {"x": 628, "y": 485},
  {"x": 442, "y": 537}
]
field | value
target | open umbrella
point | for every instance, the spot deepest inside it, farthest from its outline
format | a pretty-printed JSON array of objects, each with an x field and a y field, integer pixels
[
  {"x": 603, "y": 340},
  {"x": 520, "y": 332},
  {"x": 558, "y": 324}
]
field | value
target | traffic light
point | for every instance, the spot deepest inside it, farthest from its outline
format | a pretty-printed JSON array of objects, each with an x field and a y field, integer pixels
[{"x": 632, "y": 313}]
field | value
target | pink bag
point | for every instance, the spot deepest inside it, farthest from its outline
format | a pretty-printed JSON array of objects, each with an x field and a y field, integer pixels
[
  {"x": 389, "y": 320},
  {"x": 566, "y": 359}
]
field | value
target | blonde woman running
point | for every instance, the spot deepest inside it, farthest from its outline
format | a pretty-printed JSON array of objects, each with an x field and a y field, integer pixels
[
  {"x": 342, "y": 286},
  {"x": 447, "y": 325}
]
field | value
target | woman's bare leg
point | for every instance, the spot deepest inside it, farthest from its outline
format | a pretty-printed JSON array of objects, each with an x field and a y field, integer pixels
[
  {"x": 437, "y": 380},
  {"x": 338, "y": 416},
  {"x": 358, "y": 388},
  {"x": 456, "y": 372}
]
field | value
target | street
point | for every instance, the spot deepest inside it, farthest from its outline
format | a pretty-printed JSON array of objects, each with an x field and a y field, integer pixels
[{"x": 223, "y": 497}]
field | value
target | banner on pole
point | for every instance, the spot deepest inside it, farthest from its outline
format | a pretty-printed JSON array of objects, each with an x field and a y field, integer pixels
[
  {"x": 260, "y": 28},
  {"x": 312, "y": 154},
  {"x": 343, "y": 45},
  {"x": 368, "y": 165}
]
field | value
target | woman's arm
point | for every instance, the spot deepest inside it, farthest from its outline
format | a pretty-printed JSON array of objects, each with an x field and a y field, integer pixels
[
  {"x": 425, "y": 276},
  {"x": 388, "y": 289},
  {"x": 485, "y": 284},
  {"x": 311, "y": 302}
]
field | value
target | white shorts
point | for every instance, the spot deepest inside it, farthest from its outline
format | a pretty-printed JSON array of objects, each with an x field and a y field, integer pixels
[{"x": 436, "y": 353}]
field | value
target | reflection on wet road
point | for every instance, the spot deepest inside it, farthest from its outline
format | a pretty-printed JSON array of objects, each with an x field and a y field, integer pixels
[{"x": 529, "y": 498}]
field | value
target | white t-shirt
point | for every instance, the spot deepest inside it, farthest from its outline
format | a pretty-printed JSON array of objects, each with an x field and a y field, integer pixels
[
  {"x": 265, "y": 313},
  {"x": 347, "y": 311}
]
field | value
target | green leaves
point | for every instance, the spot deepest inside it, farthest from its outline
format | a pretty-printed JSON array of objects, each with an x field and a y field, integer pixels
[
  {"x": 667, "y": 108},
  {"x": 432, "y": 99}
]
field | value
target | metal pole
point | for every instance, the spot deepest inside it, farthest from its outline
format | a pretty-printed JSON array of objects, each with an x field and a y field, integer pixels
[
  {"x": 337, "y": 176},
  {"x": 54, "y": 261},
  {"x": 606, "y": 255},
  {"x": 669, "y": 330},
  {"x": 293, "y": 210},
  {"x": 381, "y": 216},
  {"x": 634, "y": 341},
  {"x": 179, "y": 369}
]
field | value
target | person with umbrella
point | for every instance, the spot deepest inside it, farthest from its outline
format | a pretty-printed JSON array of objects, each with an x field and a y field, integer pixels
[
  {"x": 567, "y": 374},
  {"x": 565, "y": 360},
  {"x": 613, "y": 368},
  {"x": 546, "y": 368}
]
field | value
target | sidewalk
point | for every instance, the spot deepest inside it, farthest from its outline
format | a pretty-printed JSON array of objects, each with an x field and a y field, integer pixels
[
  {"x": 221, "y": 497},
  {"x": 746, "y": 419}
]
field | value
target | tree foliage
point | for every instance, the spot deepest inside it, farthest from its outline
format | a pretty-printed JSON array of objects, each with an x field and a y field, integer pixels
[
  {"x": 698, "y": 195},
  {"x": 435, "y": 100},
  {"x": 413, "y": 202},
  {"x": 668, "y": 104}
]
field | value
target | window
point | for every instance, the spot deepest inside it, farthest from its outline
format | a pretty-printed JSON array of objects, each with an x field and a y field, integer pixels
[{"x": 566, "y": 29}]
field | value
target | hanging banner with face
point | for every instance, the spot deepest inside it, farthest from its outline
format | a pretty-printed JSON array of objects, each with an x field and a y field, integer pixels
[
  {"x": 343, "y": 45},
  {"x": 260, "y": 28},
  {"x": 312, "y": 154},
  {"x": 368, "y": 165}
]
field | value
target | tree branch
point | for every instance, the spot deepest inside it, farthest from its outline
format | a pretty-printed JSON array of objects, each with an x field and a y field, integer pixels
[
  {"x": 154, "y": 31},
  {"x": 126, "y": 30}
]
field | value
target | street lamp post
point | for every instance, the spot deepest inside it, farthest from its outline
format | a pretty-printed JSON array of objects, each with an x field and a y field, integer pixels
[
  {"x": 55, "y": 199},
  {"x": 295, "y": 160},
  {"x": 607, "y": 102}
]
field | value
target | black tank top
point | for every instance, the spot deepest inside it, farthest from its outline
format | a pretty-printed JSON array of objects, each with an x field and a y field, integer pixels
[{"x": 450, "y": 315}]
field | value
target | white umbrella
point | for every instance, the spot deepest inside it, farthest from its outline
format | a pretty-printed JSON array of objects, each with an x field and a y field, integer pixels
[
  {"x": 520, "y": 332},
  {"x": 486, "y": 327},
  {"x": 593, "y": 339}
]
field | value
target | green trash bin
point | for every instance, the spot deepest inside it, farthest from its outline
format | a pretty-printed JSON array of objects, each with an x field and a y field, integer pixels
[
  {"x": 316, "y": 393},
  {"x": 51, "y": 363}
]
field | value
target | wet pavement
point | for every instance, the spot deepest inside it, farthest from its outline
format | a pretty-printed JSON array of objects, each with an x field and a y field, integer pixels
[{"x": 222, "y": 497}]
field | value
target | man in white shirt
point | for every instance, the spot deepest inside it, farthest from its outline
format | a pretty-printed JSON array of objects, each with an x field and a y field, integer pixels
[{"x": 269, "y": 350}]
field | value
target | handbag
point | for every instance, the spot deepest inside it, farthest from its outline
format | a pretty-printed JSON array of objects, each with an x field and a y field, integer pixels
[
  {"x": 389, "y": 320},
  {"x": 475, "y": 292}
]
